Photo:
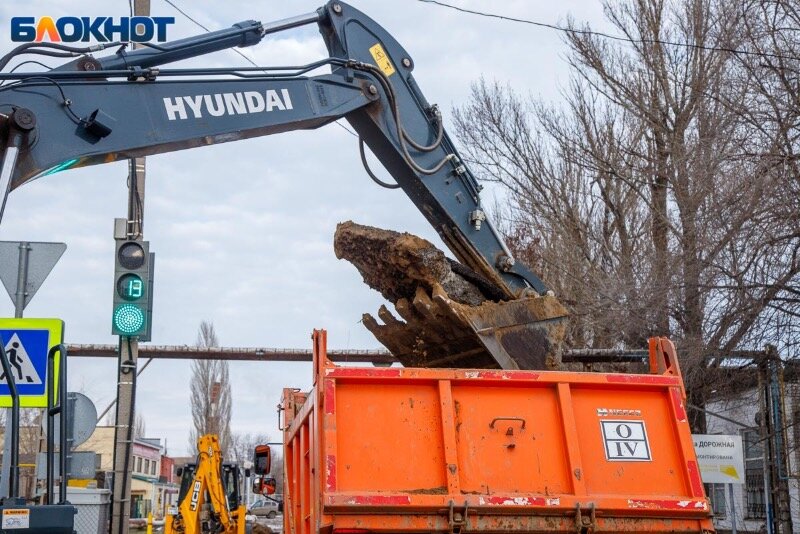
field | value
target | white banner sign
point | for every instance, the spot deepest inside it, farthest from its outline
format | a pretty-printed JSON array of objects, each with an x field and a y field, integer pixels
[{"x": 720, "y": 457}]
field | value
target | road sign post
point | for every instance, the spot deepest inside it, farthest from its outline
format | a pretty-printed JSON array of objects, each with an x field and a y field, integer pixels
[
  {"x": 34, "y": 261},
  {"x": 22, "y": 278},
  {"x": 721, "y": 461}
]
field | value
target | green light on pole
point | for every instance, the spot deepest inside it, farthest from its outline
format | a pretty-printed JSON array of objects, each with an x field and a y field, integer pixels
[
  {"x": 133, "y": 290},
  {"x": 128, "y": 318}
]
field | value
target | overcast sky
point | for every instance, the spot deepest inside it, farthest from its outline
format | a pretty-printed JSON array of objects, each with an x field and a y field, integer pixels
[{"x": 243, "y": 231}]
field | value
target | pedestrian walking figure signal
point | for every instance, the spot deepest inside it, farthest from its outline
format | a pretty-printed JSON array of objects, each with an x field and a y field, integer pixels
[{"x": 21, "y": 364}]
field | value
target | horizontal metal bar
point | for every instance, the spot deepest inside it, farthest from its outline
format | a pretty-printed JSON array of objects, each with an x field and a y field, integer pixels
[
  {"x": 604, "y": 356},
  {"x": 378, "y": 356},
  {"x": 183, "y": 352},
  {"x": 641, "y": 355}
]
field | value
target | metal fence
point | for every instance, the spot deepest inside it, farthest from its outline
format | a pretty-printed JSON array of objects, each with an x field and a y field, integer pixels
[{"x": 94, "y": 510}]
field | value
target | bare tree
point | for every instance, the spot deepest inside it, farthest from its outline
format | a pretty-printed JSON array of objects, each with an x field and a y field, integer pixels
[
  {"x": 771, "y": 71},
  {"x": 210, "y": 394},
  {"x": 642, "y": 200},
  {"x": 241, "y": 452},
  {"x": 243, "y": 445},
  {"x": 30, "y": 420},
  {"x": 278, "y": 470},
  {"x": 772, "y": 33}
]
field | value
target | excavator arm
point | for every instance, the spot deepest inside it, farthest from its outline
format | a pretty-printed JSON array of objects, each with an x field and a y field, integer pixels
[
  {"x": 204, "y": 507},
  {"x": 123, "y": 105}
]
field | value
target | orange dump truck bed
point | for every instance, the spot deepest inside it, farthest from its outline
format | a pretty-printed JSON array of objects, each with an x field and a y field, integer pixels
[{"x": 423, "y": 450}]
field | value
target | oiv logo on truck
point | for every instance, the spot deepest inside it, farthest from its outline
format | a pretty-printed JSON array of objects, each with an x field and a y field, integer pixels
[{"x": 625, "y": 441}]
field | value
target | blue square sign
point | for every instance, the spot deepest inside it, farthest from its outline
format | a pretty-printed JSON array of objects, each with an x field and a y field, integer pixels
[{"x": 27, "y": 343}]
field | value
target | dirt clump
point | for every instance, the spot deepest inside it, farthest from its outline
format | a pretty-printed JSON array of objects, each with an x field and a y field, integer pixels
[
  {"x": 258, "y": 528},
  {"x": 396, "y": 264},
  {"x": 450, "y": 316}
]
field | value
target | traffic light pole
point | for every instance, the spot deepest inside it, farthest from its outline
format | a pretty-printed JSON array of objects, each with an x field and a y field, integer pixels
[
  {"x": 128, "y": 352},
  {"x": 123, "y": 434},
  {"x": 132, "y": 307}
]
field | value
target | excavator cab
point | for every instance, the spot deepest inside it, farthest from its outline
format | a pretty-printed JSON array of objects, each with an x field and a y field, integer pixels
[
  {"x": 231, "y": 477},
  {"x": 232, "y": 482}
]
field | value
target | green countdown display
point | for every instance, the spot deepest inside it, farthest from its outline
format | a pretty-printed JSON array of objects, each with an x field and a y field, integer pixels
[{"x": 130, "y": 287}]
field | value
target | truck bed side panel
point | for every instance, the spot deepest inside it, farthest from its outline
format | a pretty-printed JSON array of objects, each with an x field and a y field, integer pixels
[{"x": 422, "y": 450}]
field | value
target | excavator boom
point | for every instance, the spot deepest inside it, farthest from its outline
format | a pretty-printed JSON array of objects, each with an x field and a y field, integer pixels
[{"x": 100, "y": 109}]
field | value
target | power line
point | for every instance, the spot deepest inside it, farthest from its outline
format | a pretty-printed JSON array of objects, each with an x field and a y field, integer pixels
[
  {"x": 185, "y": 14},
  {"x": 345, "y": 128},
  {"x": 182, "y": 12},
  {"x": 608, "y": 35}
]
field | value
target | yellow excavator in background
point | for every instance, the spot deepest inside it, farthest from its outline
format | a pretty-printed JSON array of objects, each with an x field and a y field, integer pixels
[{"x": 209, "y": 501}]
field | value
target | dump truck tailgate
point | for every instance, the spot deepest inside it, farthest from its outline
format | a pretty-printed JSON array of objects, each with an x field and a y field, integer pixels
[{"x": 421, "y": 450}]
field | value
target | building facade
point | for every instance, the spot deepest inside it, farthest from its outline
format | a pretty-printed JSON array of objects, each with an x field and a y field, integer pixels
[
  {"x": 153, "y": 489},
  {"x": 747, "y": 505}
]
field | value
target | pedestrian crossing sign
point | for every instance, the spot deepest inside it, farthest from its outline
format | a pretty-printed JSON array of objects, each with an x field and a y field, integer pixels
[{"x": 27, "y": 343}]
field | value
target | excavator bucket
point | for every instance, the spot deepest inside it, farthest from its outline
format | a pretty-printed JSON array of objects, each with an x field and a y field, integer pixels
[
  {"x": 436, "y": 331},
  {"x": 445, "y": 318}
]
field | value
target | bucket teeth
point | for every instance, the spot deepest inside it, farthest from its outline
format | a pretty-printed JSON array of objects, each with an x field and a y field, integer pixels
[
  {"x": 438, "y": 332},
  {"x": 445, "y": 315},
  {"x": 423, "y": 304},
  {"x": 387, "y": 317}
]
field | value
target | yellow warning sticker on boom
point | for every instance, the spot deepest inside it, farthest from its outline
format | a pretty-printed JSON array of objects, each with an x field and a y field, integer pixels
[{"x": 381, "y": 59}]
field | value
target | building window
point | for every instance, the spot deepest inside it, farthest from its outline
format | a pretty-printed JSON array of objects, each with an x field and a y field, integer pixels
[
  {"x": 716, "y": 492},
  {"x": 754, "y": 475},
  {"x": 139, "y": 464},
  {"x": 153, "y": 468},
  {"x": 146, "y": 467}
]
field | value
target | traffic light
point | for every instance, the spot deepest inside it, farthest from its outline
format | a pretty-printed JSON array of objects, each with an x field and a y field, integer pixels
[{"x": 132, "y": 289}]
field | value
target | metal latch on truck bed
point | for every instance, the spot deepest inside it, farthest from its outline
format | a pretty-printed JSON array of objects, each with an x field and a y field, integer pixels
[
  {"x": 585, "y": 525},
  {"x": 457, "y": 517}
]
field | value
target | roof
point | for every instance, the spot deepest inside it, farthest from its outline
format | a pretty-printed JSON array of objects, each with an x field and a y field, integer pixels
[{"x": 151, "y": 443}]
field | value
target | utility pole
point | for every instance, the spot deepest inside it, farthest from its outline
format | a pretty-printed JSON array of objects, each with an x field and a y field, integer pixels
[
  {"x": 778, "y": 444},
  {"x": 775, "y": 446},
  {"x": 128, "y": 351}
]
